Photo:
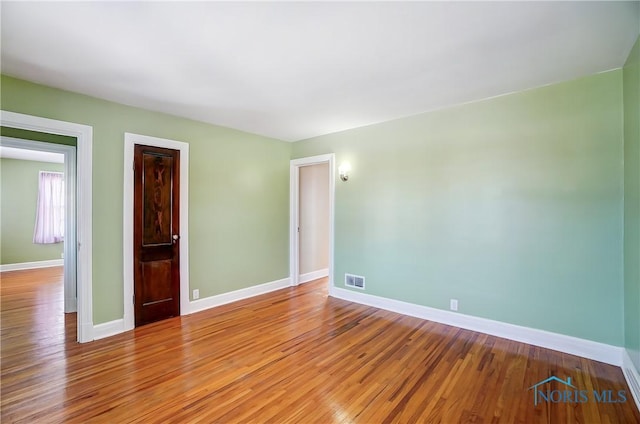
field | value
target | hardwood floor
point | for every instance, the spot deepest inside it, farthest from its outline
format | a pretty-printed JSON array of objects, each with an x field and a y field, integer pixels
[{"x": 294, "y": 355}]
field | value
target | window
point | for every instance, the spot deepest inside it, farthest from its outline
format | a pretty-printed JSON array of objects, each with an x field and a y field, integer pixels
[{"x": 50, "y": 209}]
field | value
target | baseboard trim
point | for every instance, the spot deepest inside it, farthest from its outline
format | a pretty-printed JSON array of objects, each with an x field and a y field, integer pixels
[
  {"x": 224, "y": 298},
  {"x": 107, "y": 329},
  {"x": 314, "y": 275},
  {"x": 560, "y": 342},
  {"x": 111, "y": 328},
  {"x": 32, "y": 265},
  {"x": 632, "y": 376}
]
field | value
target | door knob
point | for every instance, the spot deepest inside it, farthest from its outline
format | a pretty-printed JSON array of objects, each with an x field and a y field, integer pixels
[{"x": 175, "y": 238}]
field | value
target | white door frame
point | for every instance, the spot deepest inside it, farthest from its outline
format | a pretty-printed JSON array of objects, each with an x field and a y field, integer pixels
[
  {"x": 130, "y": 140},
  {"x": 69, "y": 153},
  {"x": 294, "y": 215},
  {"x": 80, "y": 257}
]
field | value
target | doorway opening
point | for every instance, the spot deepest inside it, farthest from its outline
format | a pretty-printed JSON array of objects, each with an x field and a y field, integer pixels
[
  {"x": 29, "y": 161},
  {"x": 307, "y": 210},
  {"x": 77, "y": 233}
]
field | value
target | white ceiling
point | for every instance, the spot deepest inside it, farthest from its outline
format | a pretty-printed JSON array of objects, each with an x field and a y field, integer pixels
[
  {"x": 297, "y": 70},
  {"x": 35, "y": 155}
]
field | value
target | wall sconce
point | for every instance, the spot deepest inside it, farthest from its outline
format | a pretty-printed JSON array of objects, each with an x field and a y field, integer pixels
[{"x": 344, "y": 170}]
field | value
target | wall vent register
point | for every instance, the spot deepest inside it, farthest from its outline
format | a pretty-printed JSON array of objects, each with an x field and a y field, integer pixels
[{"x": 355, "y": 281}]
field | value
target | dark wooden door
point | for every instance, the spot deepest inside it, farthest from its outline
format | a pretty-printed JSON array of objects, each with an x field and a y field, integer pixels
[{"x": 156, "y": 237}]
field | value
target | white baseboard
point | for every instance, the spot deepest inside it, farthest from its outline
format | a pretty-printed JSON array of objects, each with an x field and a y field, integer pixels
[
  {"x": 224, "y": 298},
  {"x": 632, "y": 376},
  {"x": 567, "y": 344},
  {"x": 111, "y": 328},
  {"x": 31, "y": 265},
  {"x": 314, "y": 275}
]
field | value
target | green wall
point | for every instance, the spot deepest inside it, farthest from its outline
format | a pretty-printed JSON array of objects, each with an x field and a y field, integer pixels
[
  {"x": 38, "y": 136},
  {"x": 19, "y": 197},
  {"x": 511, "y": 205},
  {"x": 238, "y": 192},
  {"x": 631, "y": 81}
]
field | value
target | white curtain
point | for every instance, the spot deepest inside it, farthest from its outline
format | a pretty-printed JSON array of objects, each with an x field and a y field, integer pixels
[{"x": 50, "y": 210}]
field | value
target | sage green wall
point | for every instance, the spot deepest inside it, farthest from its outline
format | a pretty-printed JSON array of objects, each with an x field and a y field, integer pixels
[
  {"x": 19, "y": 197},
  {"x": 238, "y": 192},
  {"x": 38, "y": 136},
  {"x": 511, "y": 205},
  {"x": 631, "y": 81}
]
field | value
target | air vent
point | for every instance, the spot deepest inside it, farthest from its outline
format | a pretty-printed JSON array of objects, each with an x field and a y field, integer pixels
[
  {"x": 354, "y": 281},
  {"x": 634, "y": 384}
]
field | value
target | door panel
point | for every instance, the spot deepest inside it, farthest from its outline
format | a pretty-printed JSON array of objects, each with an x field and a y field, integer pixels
[
  {"x": 156, "y": 238},
  {"x": 157, "y": 199}
]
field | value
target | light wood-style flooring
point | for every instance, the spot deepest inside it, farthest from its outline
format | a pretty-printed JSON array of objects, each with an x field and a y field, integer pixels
[{"x": 294, "y": 355}]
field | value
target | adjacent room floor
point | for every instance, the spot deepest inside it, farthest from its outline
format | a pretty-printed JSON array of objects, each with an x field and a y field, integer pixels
[{"x": 294, "y": 355}]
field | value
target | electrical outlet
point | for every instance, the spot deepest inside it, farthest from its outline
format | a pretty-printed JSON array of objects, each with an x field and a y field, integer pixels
[
  {"x": 196, "y": 294},
  {"x": 453, "y": 304}
]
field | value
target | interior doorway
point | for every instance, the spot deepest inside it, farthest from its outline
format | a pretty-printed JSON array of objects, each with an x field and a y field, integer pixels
[
  {"x": 313, "y": 228},
  {"x": 79, "y": 248},
  {"x": 312, "y": 186},
  {"x": 28, "y": 160}
]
